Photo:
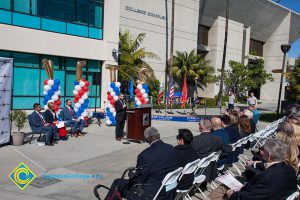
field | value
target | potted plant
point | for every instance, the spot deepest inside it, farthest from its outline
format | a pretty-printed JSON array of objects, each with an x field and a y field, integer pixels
[{"x": 19, "y": 118}]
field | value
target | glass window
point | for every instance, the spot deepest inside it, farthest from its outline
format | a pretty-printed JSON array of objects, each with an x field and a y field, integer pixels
[
  {"x": 94, "y": 66},
  {"x": 77, "y": 11},
  {"x": 26, "y": 81},
  {"x": 24, "y": 102},
  {"x": 54, "y": 9},
  {"x": 5, "y": 54},
  {"x": 256, "y": 48},
  {"x": 26, "y": 60},
  {"x": 70, "y": 78},
  {"x": 55, "y": 60},
  {"x": 71, "y": 64},
  {"x": 5, "y": 4},
  {"x": 203, "y": 35},
  {"x": 95, "y": 12}
]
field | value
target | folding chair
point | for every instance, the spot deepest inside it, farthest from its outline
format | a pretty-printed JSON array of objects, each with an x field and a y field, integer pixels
[
  {"x": 293, "y": 196},
  {"x": 188, "y": 169},
  {"x": 29, "y": 117},
  {"x": 170, "y": 181}
]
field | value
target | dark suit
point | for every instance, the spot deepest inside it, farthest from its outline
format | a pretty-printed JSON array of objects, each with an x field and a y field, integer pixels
[
  {"x": 275, "y": 183},
  {"x": 205, "y": 144},
  {"x": 69, "y": 116},
  {"x": 50, "y": 118},
  {"x": 120, "y": 118},
  {"x": 153, "y": 164},
  {"x": 185, "y": 154},
  {"x": 38, "y": 125},
  {"x": 233, "y": 136}
]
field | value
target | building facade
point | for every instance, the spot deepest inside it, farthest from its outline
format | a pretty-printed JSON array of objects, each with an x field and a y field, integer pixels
[{"x": 65, "y": 32}]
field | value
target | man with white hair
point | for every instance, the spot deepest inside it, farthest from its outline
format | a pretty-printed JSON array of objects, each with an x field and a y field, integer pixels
[{"x": 153, "y": 164}]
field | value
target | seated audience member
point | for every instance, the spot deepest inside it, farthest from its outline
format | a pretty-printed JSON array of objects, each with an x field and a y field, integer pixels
[
  {"x": 153, "y": 164},
  {"x": 218, "y": 130},
  {"x": 249, "y": 114},
  {"x": 51, "y": 118},
  {"x": 277, "y": 181},
  {"x": 205, "y": 144},
  {"x": 71, "y": 119},
  {"x": 256, "y": 113},
  {"x": 244, "y": 126},
  {"x": 185, "y": 154},
  {"x": 39, "y": 124}
]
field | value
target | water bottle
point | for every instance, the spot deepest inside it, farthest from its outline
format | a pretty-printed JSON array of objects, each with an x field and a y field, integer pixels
[{"x": 35, "y": 143}]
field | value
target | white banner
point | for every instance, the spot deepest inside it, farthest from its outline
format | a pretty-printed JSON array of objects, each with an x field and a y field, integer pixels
[{"x": 6, "y": 69}]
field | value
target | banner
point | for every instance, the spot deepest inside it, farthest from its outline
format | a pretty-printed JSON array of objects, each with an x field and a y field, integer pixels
[{"x": 6, "y": 68}]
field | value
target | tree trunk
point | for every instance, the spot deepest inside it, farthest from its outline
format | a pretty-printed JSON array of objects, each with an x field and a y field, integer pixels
[
  {"x": 172, "y": 44},
  {"x": 219, "y": 99},
  {"x": 167, "y": 51}
]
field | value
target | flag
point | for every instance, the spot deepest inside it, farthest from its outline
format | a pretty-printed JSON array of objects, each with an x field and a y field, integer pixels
[
  {"x": 171, "y": 94},
  {"x": 184, "y": 93},
  {"x": 131, "y": 89},
  {"x": 160, "y": 92}
]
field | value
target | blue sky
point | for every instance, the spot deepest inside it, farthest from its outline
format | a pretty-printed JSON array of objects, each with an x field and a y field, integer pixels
[{"x": 293, "y": 5}]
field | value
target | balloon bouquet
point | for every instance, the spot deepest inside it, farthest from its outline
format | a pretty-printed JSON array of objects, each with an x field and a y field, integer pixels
[
  {"x": 141, "y": 93},
  {"x": 81, "y": 92},
  {"x": 51, "y": 87},
  {"x": 113, "y": 91}
]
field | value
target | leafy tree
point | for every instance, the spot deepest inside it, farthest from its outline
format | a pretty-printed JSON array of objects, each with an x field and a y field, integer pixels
[
  {"x": 131, "y": 59},
  {"x": 294, "y": 82},
  {"x": 240, "y": 78},
  {"x": 195, "y": 68}
]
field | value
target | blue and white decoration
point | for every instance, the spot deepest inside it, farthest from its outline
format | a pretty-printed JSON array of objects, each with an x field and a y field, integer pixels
[
  {"x": 142, "y": 93},
  {"x": 81, "y": 100},
  {"x": 113, "y": 91},
  {"x": 52, "y": 93}
]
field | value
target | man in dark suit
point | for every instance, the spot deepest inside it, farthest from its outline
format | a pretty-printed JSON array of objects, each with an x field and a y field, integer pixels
[
  {"x": 153, "y": 164},
  {"x": 40, "y": 125},
  {"x": 277, "y": 181},
  {"x": 71, "y": 119},
  {"x": 120, "y": 106}
]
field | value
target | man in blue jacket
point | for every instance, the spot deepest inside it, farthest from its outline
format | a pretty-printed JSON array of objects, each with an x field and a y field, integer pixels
[{"x": 71, "y": 119}]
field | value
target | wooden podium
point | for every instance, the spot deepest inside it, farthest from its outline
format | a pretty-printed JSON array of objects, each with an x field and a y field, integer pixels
[{"x": 138, "y": 119}]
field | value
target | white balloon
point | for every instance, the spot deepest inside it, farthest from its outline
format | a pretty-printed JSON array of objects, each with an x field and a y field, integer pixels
[
  {"x": 77, "y": 88},
  {"x": 138, "y": 103},
  {"x": 75, "y": 92},
  {"x": 139, "y": 86},
  {"x": 85, "y": 96},
  {"x": 108, "y": 84},
  {"x": 77, "y": 105},
  {"x": 54, "y": 97},
  {"x": 118, "y": 84},
  {"x": 50, "y": 82},
  {"x": 114, "y": 114},
  {"x": 107, "y": 117},
  {"x": 57, "y": 92},
  {"x": 113, "y": 93},
  {"x": 108, "y": 122},
  {"x": 110, "y": 89},
  {"x": 58, "y": 112},
  {"x": 45, "y": 92},
  {"x": 143, "y": 91},
  {"x": 147, "y": 99},
  {"x": 47, "y": 87},
  {"x": 81, "y": 101},
  {"x": 136, "y": 99},
  {"x": 82, "y": 84},
  {"x": 108, "y": 105},
  {"x": 116, "y": 98},
  {"x": 75, "y": 109},
  {"x": 45, "y": 107},
  {"x": 112, "y": 110},
  {"x": 84, "y": 114},
  {"x": 145, "y": 95}
]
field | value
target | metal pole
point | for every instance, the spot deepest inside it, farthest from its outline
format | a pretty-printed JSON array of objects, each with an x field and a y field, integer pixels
[{"x": 280, "y": 87}]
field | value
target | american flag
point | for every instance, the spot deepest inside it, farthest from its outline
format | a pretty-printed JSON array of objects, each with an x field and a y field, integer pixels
[
  {"x": 171, "y": 95},
  {"x": 160, "y": 93}
]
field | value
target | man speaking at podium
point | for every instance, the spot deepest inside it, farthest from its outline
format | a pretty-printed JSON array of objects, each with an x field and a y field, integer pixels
[{"x": 120, "y": 106}]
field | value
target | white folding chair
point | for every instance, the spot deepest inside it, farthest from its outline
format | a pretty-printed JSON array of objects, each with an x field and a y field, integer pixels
[
  {"x": 170, "y": 181},
  {"x": 293, "y": 196},
  {"x": 190, "y": 168}
]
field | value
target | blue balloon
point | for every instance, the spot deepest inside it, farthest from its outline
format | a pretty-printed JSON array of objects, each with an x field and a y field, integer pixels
[
  {"x": 76, "y": 83},
  {"x": 80, "y": 109},
  {"x": 147, "y": 91},
  {"x": 145, "y": 86},
  {"x": 56, "y": 81},
  {"x": 44, "y": 102},
  {"x": 112, "y": 85},
  {"x": 111, "y": 118},
  {"x": 86, "y": 101},
  {"x": 47, "y": 97},
  {"x": 50, "y": 93},
  {"x": 107, "y": 111},
  {"x": 116, "y": 89},
  {"x": 54, "y": 88},
  {"x": 114, "y": 123}
]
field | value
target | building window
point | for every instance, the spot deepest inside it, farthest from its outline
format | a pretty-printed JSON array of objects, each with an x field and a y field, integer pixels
[
  {"x": 5, "y": 4},
  {"x": 26, "y": 6},
  {"x": 256, "y": 48},
  {"x": 203, "y": 35}
]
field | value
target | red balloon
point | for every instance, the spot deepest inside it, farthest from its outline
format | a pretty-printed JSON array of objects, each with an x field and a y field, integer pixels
[
  {"x": 58, "y": 102},
  {"x": 56, "y": 107},
  {"x": 109, "y": 97},
  {"x": 87, "y": 83},
  {"x": 137, "y": 91},
  {"x": 142, "y": 99},
  {"x": 75, "y": 100},
  {"x": 112, "y": 102},
  {"x": 77, "y": 96},
  {"x": 139, "y": 94},
  {"x": 46, "y": 82},
  {"x": 81, "y": 92},
  {"x": 85, "y": 88},
  {"x": 108, "y": 93}
]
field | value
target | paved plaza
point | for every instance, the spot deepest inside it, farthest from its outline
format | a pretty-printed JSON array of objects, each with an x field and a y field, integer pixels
[{"x": 96, "y": 153}]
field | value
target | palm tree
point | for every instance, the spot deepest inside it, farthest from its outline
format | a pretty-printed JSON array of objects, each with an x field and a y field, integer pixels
[
  {"x": 132, "y": 56},
  {"x": 195, "y": 68}
]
